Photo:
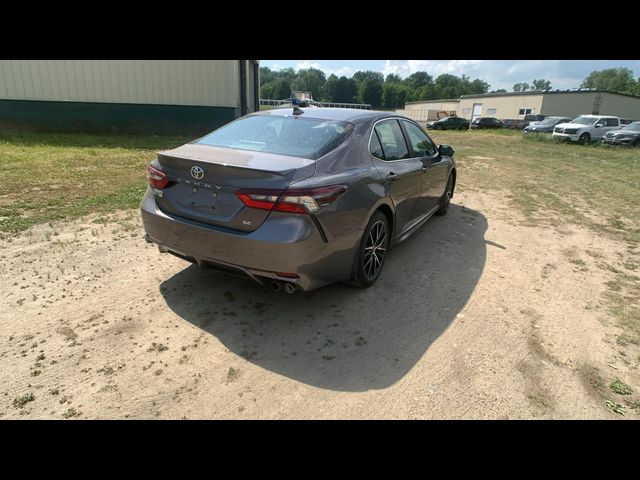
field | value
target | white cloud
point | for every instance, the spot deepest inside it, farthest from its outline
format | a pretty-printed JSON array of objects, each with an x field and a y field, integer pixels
[{"x": 304, "y": 65}]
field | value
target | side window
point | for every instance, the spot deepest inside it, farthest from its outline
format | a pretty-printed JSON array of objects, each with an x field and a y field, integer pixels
[
  {"x": 375, "y": 148},
  {"x": 421, "y": 145},
  {"x": 391, "y": 140},
  {"x": 611, "y": 122}
]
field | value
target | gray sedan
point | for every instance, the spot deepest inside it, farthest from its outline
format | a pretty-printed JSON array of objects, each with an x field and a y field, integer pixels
[
  {"x": 627, "y": 136},
  {"x": 546, "y": 125},
  {"x": 298, "y": 197}
]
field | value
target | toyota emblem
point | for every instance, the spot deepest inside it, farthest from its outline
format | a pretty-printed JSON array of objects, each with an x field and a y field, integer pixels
[{"x": 197, "y": 172}]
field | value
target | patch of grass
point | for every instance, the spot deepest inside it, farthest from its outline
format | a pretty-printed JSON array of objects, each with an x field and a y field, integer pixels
[
  {"x": 232, "y": 374},
  {"x": 48, "y": 177},
  {"x": 70, "y": 413},
  {"x": 21, "y": 401},
  {"x": 157, "y": 347},
  {"x": 619, "y": 387}
]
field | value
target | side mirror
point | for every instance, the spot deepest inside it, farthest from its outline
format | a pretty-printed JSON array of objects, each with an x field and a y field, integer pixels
[
  {"x": 445, "y": 150},
  {"x": 599, "y": 125}
]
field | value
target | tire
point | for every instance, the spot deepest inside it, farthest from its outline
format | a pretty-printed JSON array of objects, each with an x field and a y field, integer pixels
[
  {"x": 445, "y": 199},
  {"x": 376, "y": 235},
  {"x": 585, "y": 138},
  {"x": 636, "y": 143}
]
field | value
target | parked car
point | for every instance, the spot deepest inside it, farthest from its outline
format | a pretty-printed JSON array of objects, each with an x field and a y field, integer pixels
[
  {"x": 449, "y": 123},
  {"x": 298, "y": 199},
  {"x": 628, "y": 135},
  {"x": 586, "y": 128},
  {"x": 512, "y": 123},
  {"x": 546, "y": 125},
  {"x": 523, "y": 122},
  {"x": 486, "y": 122}
]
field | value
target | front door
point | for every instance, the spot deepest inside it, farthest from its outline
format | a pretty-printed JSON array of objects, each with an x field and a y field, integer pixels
[
  {"x": 434, "y": 167},
  {"x": 401, "y": 174}
]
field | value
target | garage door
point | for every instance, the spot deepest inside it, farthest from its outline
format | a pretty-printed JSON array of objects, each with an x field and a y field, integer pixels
[{"x": 477, "y": 111}]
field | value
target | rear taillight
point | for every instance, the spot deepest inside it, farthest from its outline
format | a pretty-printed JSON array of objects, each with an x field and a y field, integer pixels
[
  {"x": 308, "y": 200},
  {"x": 156, "y": 178}
]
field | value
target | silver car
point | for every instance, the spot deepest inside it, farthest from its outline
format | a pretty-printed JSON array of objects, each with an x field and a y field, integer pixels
[{"x": 298, "y": 198}]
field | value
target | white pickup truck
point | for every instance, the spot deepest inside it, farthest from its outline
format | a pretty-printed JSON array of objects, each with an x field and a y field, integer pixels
[{"x": 586, "y": 128}]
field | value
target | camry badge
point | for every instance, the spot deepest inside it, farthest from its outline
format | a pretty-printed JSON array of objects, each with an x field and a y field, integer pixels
[{"x": 197, "y": 172}]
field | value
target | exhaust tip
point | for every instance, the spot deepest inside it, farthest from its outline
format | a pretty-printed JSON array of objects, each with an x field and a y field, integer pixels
[
  {"x": 276, "y": 286},
  {"x": 289, "y": 288}
]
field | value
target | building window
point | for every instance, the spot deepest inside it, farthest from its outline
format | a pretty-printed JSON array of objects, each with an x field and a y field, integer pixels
[
  {"x": 491, "y": 111},
  {"x": 525, "y": 111},
  {"x": 466, "y": 111}
]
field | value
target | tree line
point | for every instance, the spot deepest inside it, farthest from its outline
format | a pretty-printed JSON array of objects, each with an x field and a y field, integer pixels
[
  {"x": 393, "y": 92},
  {"x": 366, "y": 86}
]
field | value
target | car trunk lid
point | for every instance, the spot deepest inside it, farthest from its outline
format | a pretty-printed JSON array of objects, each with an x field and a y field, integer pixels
[{"x": 203, "y": 181}]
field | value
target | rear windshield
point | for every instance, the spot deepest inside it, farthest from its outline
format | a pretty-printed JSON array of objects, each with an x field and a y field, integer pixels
[{"x": 295, "y": 136}]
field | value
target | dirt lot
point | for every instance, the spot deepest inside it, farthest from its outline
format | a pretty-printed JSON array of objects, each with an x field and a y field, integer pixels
[{"x": 481, "y": 314}]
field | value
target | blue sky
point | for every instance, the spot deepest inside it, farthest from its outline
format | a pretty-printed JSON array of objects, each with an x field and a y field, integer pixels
[{"x": 498, "y": 73}]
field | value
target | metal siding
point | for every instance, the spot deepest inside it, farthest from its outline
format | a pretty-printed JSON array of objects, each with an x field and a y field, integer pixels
[{"x": 164, "y": 82}]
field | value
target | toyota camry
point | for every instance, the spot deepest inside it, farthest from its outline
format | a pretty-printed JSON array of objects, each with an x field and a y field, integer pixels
[{"x": 298, "y": 198}]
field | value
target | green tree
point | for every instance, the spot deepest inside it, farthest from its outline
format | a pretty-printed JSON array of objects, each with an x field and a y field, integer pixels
[
  {"x": 394, "y": 94},
  {"x": 330, "y": 89},
  {"x": 370, "y": 91},
  {"x": 347, "y": 90},
  {"x": 521, "y": 87},
  {"x": 477, "y": 87},
  {"x": 309, "y": 80},
  {"x": 419, "y": 79},
  {"x": 618, "y": 80},
  {"x": 541, "y": 84}
]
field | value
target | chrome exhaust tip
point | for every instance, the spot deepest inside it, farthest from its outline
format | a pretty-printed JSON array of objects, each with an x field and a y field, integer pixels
[
  {"x": 289, "y": 288},
  {"x": 276, "y": 286}
]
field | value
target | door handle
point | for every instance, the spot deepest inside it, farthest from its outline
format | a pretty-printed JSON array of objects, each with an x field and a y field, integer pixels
[{"x": 392, "y": 177}]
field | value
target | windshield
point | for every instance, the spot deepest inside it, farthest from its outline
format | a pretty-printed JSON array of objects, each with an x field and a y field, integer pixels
[
  {"x": 635, "y": 126},
  {"x": 283, "y": 135},
  {"x": 550, "y": 121},
  {"x": 584, "y": 120}
]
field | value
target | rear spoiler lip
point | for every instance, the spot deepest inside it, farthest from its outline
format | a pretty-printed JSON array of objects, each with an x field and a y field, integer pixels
[{"x": 283, "y": 173}]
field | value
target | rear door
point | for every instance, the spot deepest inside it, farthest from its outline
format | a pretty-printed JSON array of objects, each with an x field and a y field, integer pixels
[
  {"x": 401, "y": 174},
  {"x": 434, "y": 169},
  {"x": 609, "y": 125}
]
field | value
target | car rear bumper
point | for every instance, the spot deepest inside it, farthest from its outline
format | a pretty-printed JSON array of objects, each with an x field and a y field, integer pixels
[{"x": 284, "y": 243}]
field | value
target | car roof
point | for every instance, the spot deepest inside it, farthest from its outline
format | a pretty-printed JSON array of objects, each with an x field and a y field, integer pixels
[
  {"x": 597, "y": 116},
  {"x": 341, "y": 114}
]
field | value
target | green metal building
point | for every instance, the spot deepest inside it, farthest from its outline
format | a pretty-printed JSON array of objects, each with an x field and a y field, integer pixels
[{"x": 126, "y": 96}]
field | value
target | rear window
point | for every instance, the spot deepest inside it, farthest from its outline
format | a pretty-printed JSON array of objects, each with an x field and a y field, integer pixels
[{"x": 295, "y": 136}]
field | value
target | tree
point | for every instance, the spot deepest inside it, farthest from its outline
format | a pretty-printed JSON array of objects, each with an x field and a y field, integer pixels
[
  {"x": 310, "y": 80},
  {"x": 419, "y": 79},
  {"x": 477, "y": 87},
  {"x": 370, "y": 91},
  {"x": 394, "y": 95},
  {"x": 541, "y": 84},
  {"x": 521, "y": 87},
  {"x": 339, "y": 90},
  {"x": 618, "y": 80},
  {"x": 347, "y": 90},
  {"x": 330, "y": 89}
]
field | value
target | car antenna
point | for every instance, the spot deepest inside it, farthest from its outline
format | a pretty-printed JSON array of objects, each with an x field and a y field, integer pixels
[{"x": 297, "y": 111}]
